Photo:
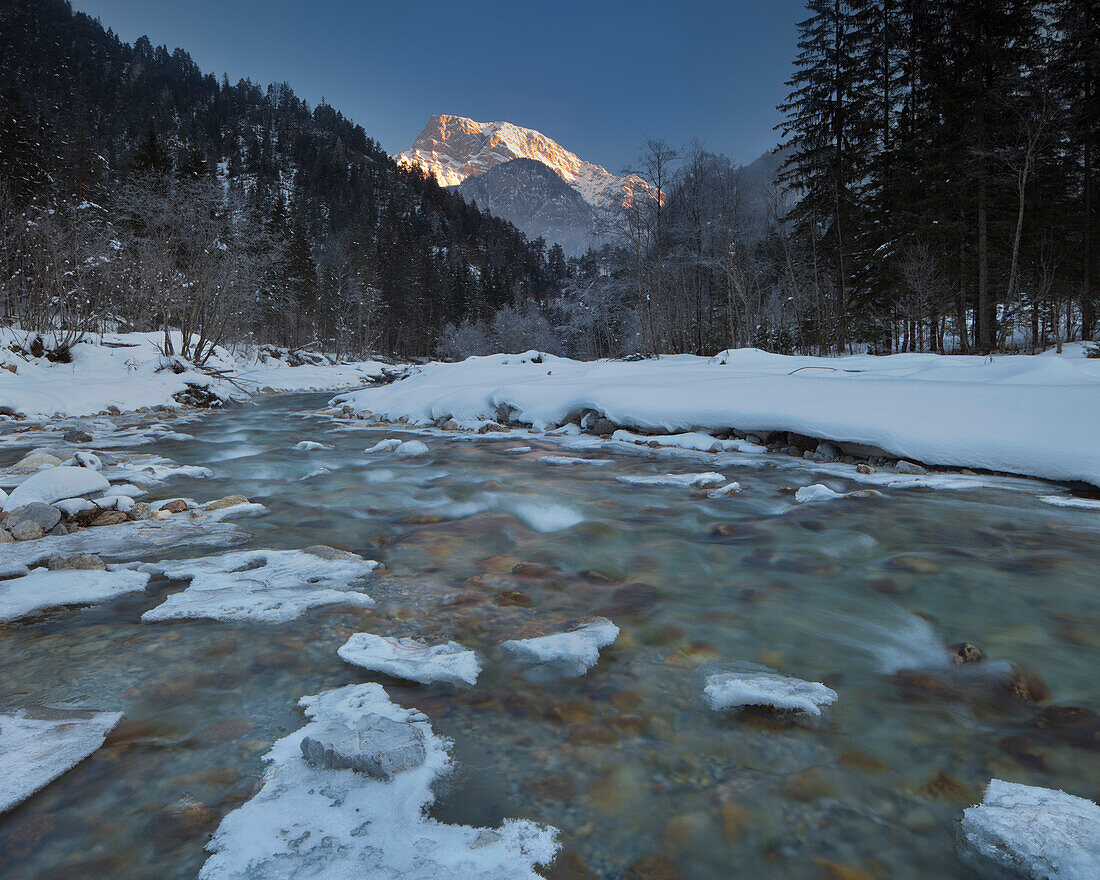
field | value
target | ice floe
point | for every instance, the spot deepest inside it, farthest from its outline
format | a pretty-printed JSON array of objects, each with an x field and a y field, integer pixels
[
  {"x": 310, "y": 821},
  {"x": 54, "y": 484},
  {"x": 36, "y": 751},
  {"x": 1071, "y": 501},
  {"x": 764, "y": 687},
  {"x": 1038, "y": 833},
  {"x": 571, "y": 460},
  {"x": 267, "y": 586},
  {"x": 696, "y": 480},
  {"x": 412, "y": 659},
  {"x": 40, "y": 589},
  {"x": 570, "y": 653}
]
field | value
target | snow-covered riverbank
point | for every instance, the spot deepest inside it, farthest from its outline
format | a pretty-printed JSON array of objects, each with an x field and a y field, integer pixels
[
  {"x": 1032, "y": 415},
  {"x": 127, "y": 371}
]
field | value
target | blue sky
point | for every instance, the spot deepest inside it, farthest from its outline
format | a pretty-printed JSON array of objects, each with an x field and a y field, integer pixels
[{"x": 596, "y": 76}]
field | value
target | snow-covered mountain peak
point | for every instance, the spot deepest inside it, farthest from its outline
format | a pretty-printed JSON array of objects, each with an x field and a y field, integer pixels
[{"x": 453, "y": 148}]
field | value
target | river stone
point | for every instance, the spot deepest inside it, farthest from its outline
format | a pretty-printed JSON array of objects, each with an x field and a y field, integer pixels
[
  {"x": 375, "y": 745},
  {"x": 227, "y": 501},
  {"x": 35, "y": 460},
  {"x": 323, "y": 551},
  {"x": 140, "y": 510},
  {"x": 27, "y": 530},
  {"x": 110, "y": 518},
  {"x": 45, "y": 516},
  {"x": 75, "y": 562},
  {"x": 75, "y": 435},
  {"x": 907, "y": 467},
  {"x": 5, "y": 537}
]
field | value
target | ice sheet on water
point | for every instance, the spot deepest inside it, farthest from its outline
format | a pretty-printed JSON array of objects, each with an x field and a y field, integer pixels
[
  {"x": 1071, "y": 501},
  {"x": 308, "y": 822},
  {"x": 570, "y": 653},
  {"x": 41, "y": 589},
  {"x": 36, "y": 751},
  {"x": 412, "y": 659},
  {"x": 1033, "y": 832},
  {"x": 266, "y": 586},
  {"x": 692, "y": 480},
  {"x": 766, "y": 687},
  {"x": 571, "y": 460},
  {"x": 154, "y": 469},
  {"x": 131, "y": 539}
]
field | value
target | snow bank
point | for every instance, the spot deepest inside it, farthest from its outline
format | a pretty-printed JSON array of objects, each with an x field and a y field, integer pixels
[
  {"x": 751, "y": 687},
  {"x": 307, "y": 821},
  {"x": 56, "y": 484},
  {"x": 411, "y": 659},
  {"x": 1034, "y": 832},
  {"x": 1033, "y": 415},
  {"x": 126, "y": 370},
  {"x": 267, "y": 586},
  {"x": 569, "y": 653},
  {"x": 42, "y": 589},
  {"x": 34, "y": 752}
]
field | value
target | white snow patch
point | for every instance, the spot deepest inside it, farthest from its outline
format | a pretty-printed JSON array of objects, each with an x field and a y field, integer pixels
[
  {"x": 55, "y": 484},
  {"x": 412, "y": 659},
  {"x": 570, "y": 653},
  {"x": 1038, "y": 833},
  {"x": 309, "y": 822},
  {"x": 34, "y": 752},
  {"x": 728, "y": 690},
  {"x": 267, "y": 586},
  {"x": 41, "y": 589}
]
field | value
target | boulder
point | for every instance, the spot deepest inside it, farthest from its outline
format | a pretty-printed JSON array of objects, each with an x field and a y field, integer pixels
[
  {"x": 110, "y": 518},
  {"x": 376, "y": 746},
  {"x": 27, "y": 531},
  {"x": 227, "y": 501},
  {"x": 44, "y": 515},
  {"x": 75, "y": 435},
  {"x": 907, "y": 467},
  {"x": 75, "y": 562},
  {"x": 35, "y": 460}
]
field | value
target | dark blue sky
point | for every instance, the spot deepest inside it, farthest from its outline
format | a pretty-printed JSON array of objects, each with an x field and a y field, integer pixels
[{"x": 596, "y": 76}]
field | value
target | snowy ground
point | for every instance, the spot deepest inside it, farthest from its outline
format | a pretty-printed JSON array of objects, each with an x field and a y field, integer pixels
[
  {"x": 1033, "y": 415},
  {"x": 126, "y": 370}
]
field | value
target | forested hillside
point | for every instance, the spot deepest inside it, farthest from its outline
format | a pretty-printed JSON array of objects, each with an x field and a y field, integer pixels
[{"x": 137, "y": 189}]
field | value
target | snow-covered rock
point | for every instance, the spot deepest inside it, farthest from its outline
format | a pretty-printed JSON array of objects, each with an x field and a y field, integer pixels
[
  {"x": 570, "y": 653},
  {"x": 412, "y": 659},
  {"x": 1038, "y": 833},
  {"x": 816, "y": 492},
  {"x": 388, "y": 445},
  {"x": 41, "y": 589},
  {"x": 722, "y": 491},
  {"x": 697, "y": 480},
  {"x": 753, "y": 687},
  {"x": 36, "y": 751},
  {"x": 54, "y": 484},
  {"x": 411, "y": 449},
  {"x": 267, "y": 586},
  {"x": 311, "y": 445},
  {"x": 307, "y": 821}
]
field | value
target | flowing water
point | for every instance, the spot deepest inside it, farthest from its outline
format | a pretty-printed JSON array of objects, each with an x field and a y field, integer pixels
[{"x": 861, "y": 594}]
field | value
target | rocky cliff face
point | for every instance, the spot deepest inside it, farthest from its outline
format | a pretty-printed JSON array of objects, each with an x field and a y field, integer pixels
[{"x": 534, "y": 198}]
